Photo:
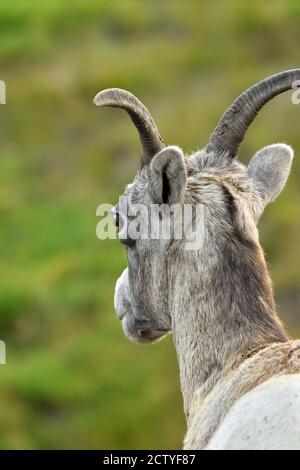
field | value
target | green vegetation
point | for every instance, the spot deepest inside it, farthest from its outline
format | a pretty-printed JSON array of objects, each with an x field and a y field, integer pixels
[{"x": 72, "y": 379}]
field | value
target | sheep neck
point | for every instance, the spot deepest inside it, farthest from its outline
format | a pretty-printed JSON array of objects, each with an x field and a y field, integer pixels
[{"x": 220, "y": 316}]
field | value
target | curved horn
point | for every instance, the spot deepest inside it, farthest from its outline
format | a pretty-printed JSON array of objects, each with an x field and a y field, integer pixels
[
  {"x": 234, "y": 123},
  {"x": 140, "y": 116}
]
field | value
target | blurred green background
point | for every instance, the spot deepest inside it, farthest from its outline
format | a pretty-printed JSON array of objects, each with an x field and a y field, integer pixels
[{"x": 72, "y": 379}]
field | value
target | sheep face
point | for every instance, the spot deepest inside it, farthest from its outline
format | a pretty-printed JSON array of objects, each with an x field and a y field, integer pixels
[
  {"x": 231, "y": 198},
  {"x": 169, "y": 275}
]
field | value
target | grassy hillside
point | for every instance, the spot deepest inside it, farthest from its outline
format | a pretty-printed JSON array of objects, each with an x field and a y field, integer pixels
[{"x": 72, "y": 380}]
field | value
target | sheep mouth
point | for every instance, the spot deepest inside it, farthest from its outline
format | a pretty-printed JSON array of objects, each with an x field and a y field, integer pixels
[
  {"x": 151, "y": 335},
  {"x": 144, "y": 335}
]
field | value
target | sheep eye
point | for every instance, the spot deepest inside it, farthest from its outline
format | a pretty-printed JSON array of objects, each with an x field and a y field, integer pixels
[
  {"x": 119, "y": 224},
  {"x": 117, "y": 219}
]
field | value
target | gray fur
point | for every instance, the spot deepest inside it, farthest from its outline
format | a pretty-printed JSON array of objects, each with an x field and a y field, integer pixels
[{"x": 217, "y": 301}]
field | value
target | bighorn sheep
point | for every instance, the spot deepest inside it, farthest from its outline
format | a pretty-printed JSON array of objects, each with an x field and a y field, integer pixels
[{"x": 238, "y": 368}]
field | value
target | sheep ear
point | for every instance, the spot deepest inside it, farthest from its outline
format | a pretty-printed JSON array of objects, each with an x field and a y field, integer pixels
[
  {"x": 167, "y": 176},
  {"x": 269, "y": 170}
]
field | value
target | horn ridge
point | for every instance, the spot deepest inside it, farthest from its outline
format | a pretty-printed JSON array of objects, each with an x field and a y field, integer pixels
[
  {"x": 234, "y": 123},
  {"x": 150, "y": 138}
]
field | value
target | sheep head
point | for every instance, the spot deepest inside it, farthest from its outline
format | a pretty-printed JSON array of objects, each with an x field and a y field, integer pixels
[{"x": 232, "y": 196}]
